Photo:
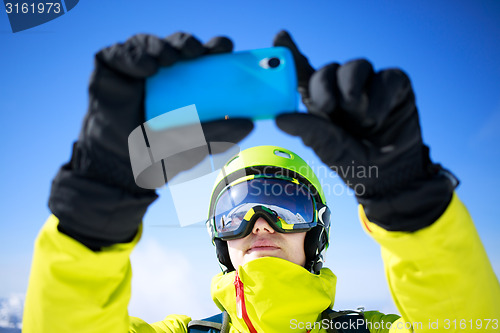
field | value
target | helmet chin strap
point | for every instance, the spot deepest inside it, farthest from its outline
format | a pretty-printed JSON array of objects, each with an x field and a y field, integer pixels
[
  {"x": 314, "y": 260},
  {"x": 223, "y": 255}
]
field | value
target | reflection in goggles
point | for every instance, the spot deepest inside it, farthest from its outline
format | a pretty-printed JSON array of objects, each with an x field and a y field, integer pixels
[
  {"x": 232, "y": 220},
  {"x": 289, "y": 202}
]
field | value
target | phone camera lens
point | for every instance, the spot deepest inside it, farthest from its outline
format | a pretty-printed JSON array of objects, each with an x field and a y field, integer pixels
[{"x": 273, "y": 62}]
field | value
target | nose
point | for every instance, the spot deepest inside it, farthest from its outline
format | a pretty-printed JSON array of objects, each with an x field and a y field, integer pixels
[{"x": 261, "y": 225}]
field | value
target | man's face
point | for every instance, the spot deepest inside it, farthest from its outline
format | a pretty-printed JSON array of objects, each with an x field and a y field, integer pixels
[{"x": 264, "y": 241}]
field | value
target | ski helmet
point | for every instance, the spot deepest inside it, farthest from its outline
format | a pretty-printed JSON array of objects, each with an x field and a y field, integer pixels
[{"x": 273, "y": 162}]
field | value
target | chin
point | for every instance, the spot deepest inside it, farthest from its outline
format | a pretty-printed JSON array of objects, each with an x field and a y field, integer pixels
[{"x": 261, "y": 254}]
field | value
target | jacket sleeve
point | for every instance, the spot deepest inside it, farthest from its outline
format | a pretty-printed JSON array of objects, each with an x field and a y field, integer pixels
[
  {"x": 74, "y": 289},
  {"x": 440, "y": 277}
]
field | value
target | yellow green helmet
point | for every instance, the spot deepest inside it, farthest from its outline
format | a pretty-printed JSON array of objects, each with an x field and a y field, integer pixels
[{"x": 262, "y": 166}]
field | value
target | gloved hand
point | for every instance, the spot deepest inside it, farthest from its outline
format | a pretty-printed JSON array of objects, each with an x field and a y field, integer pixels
[
  {"x": 365, "y": 126},
  {"x": 94, "y": 195}
]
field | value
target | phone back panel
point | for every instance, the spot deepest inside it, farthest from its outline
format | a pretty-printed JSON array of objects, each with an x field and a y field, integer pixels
[{"x": 230, "y": 84}]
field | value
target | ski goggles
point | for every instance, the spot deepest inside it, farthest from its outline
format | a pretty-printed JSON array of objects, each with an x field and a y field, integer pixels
[{"x": 286, "y": 204}]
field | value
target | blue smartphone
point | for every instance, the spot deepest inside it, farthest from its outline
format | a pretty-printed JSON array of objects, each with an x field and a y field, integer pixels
[{"x": 257, "y": 84}]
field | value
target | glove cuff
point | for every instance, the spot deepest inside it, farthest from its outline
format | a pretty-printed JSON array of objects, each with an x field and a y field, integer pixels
[
  {"x": 93, "y": 210},
  {"x": 419, "y": 205}
]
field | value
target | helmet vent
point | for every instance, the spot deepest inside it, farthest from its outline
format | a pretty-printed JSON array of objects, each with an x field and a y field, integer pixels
[{"x": 282, "y": 153}]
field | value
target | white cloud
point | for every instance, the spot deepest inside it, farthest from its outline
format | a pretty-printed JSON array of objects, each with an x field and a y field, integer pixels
[
  {"x": 11, "y": 311},
  {"x": 166, "y": 282}
]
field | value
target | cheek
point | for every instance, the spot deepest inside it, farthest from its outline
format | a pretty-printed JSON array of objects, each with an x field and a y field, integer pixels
[
  {"x": 235, "y": 249},
  {"x": 297, "y": 254}
]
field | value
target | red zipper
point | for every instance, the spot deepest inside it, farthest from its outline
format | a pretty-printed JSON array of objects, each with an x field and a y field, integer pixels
[{"x": 241, "y": 309}]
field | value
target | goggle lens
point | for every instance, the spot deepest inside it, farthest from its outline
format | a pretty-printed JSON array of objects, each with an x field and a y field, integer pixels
[{"x": 290, "y": 203}]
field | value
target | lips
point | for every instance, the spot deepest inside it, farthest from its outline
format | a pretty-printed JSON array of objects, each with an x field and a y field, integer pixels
[{"x": 263, "y": 245}]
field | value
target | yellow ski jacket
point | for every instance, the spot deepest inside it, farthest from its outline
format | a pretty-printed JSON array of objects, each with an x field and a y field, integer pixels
[{"x": 440, "y": 278}]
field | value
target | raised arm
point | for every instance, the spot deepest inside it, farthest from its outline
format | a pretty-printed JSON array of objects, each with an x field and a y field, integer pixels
[
  {"x": 80, "y": 277},
  {"x": 436, "y": 266}
]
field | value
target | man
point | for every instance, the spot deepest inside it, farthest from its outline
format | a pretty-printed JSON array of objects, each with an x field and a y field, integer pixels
[{"x": 271, "y": 246}]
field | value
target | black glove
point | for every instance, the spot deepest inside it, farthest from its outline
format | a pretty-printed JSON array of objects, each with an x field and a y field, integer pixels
[
  {"x": 94, "y": 195},
  {"x": 365, "y": 126}
]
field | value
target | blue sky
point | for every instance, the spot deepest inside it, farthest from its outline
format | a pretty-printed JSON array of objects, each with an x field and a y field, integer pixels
[{"x": 449, "y": 49}]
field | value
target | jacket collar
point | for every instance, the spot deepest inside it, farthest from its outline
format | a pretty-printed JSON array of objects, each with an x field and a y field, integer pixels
[{"x": 278, "y": 295}]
